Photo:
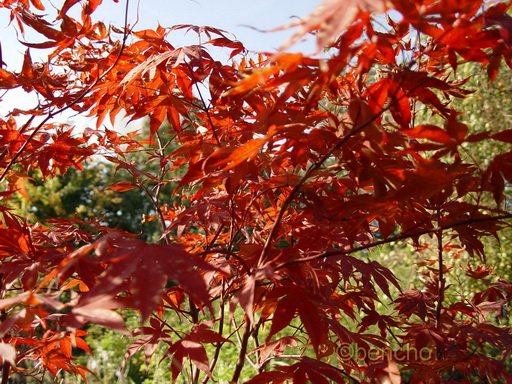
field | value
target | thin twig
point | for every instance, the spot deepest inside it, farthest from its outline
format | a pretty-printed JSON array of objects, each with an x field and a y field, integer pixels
[
  {"x": 205, "y": 108},
  {"x": 3, "y": 316},
  {"x": 441, "y": 282},
  {"x": 313, "y": 168},
  {"x": 219, "y": 345}
]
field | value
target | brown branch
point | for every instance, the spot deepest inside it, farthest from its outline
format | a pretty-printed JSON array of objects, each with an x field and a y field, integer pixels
[
  {"x": 307, "y": 175},
  {"x": 160, "y": 214},
  {"x": 154, "y": 195},
  {"x": 219, "y": 345},
  {"x": 441, "y": 285},
  {"x": 205, "y": 108},
  {"x": 403, "y": 236},
  {"x": 3, "y": 316},
  {"x": 243, "y": 352}
]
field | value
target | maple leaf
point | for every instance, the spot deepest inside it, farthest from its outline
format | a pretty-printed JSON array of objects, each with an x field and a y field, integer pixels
[
  {"x": 275, "y": 347},
  {"x": 66, "y": 6},
  {"x": 123, "y": 186},
  {"x": 132, "y": 261},
  {"x": 243, "y": 153},
  {"x": 99, "y": 310},
  {"x": 191, "y": 347},
  {"x": 329, "y": 19}
]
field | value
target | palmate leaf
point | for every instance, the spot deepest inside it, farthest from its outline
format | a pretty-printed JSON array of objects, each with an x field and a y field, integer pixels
[
  {"x": 130, "y": 262},
  {"x": 331, "y": 18},
  {"x": 307, "y": 370},
  {"x": 191, "y": 346}
]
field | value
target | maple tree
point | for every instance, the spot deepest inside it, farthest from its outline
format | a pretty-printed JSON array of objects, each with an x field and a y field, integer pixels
[{"x": 295, "y": 167}]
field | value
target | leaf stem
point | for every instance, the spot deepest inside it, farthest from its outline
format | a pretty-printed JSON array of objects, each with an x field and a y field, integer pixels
[
  {"x": 3, "y": 316},
  {"x": 218, "y": 346}
]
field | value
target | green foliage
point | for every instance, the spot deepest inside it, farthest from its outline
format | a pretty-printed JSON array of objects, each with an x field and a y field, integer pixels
[
  {"x": 490, "y": 109},
  {"x": 85, "y": 195}
]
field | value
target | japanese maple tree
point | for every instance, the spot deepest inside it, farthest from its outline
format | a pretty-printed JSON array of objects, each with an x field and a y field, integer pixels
[{"x": 295, "y": 167}]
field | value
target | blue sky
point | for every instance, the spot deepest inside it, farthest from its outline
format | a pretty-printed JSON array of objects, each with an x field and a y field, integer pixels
[
  {"x": 231, "y": 15},
  {"x": 234, "y": 16}
]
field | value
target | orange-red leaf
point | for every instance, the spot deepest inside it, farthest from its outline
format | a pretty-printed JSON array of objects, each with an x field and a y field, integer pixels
[
  {"x": 123, "y": 186},
  {"x": 245, "y": 152},
  {"x": 430, "y": 132},
  {"x": 331, "y": 18}
]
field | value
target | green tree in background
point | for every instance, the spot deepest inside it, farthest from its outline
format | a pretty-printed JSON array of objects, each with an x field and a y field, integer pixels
[
  {"x": 87, "y": 194},
  {"x": 489, "y": 109}
]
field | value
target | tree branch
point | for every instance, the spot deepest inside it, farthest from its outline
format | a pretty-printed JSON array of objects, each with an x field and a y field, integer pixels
[
  {"x": 403, "y": 236},
  {"x": 243, "y": 352},
  {"x": 441, "y": 285}
]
